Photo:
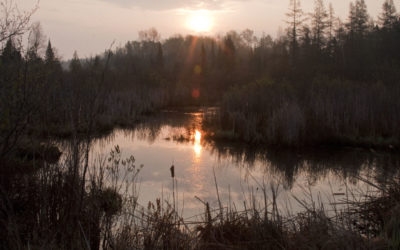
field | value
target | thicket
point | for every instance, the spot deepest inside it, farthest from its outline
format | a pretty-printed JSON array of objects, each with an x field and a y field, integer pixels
[
  {"x": 339, "y": 83},
  {"x": 321, "y": 112}
]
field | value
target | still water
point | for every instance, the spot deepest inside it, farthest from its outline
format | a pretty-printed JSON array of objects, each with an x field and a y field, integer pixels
[{"x": 176, "y": 138}]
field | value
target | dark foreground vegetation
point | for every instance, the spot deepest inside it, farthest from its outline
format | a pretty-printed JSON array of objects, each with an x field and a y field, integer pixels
[
  {"x": 73, "y": 205},
  {"x": 325, "y": 81}
]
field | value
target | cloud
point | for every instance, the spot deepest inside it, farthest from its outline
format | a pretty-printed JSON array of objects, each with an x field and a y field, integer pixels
[{"x": 172, "y": 4}]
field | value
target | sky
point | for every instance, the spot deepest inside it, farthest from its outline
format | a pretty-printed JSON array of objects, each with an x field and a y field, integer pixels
[{"x": 91, "y": 26}]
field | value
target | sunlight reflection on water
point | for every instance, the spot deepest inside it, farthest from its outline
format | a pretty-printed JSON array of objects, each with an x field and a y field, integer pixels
[
  {"x": 242, "y": 173},
  {"x": 197, "y": 144}
]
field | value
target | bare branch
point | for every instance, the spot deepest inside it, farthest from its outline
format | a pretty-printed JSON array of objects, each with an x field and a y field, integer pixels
[{"x": 13, "y": 21}]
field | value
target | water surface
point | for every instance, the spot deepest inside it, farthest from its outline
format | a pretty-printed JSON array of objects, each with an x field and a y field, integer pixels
[{"x": 176, "y": 138}]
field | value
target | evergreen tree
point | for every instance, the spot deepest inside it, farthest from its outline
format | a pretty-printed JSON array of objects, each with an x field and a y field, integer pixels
[
  {"x": 358, "y": 19},
  {"x": 319, "y": 24},
  {"x": 11, "y": 63},
  {"x": 52, "y": 64},
  {"x": 49, "y": 57},
  {"x": 10, "y": 53},
  {"x": 75, "y": 64},
  {"x": 361, "y": 17},
  {"x": 352, "y": 19},
  {"x": 388, "y": 17}
]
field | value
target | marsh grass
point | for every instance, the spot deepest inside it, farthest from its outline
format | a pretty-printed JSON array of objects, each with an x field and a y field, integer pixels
[{"x": 62, "y": 206}]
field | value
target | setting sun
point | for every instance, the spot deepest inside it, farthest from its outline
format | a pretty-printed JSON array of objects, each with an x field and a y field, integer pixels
[{"x": 200, "y": 21}]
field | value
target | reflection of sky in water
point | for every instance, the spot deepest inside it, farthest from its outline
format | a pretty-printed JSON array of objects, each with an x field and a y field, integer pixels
[{"x": 178, "y": 140}]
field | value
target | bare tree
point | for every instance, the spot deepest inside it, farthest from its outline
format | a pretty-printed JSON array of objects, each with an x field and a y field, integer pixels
[
  {"x": 332, "y": 22},
  {"x": 249, "y": 38},
  {"x": 150, "y": 35},
  {"x": 36, "y": 39},
  {"x": 13, "y": 21}
]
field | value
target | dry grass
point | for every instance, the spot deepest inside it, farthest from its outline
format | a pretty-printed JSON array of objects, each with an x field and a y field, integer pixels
[{"x": 62, "y": 207}]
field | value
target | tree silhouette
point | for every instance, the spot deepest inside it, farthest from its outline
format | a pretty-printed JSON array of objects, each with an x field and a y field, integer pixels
[
  {"x": 319, "y": 24},
  {"x": 388, "y": 17},
  {"x": 296, "y": 18},
  {"x": 361, "y": 17}
]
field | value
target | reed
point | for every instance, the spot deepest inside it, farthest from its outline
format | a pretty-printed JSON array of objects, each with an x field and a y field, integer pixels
[{"x": 49, "y": 210}]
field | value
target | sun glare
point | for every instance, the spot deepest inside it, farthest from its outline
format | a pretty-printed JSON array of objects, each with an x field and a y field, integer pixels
[
  {"x": 197, "y": 136},
  {"x": 197, "y": 144},
  {"x": 200, "y": 21}
]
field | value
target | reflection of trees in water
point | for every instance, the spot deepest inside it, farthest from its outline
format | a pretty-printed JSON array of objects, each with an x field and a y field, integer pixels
[
  {"x": 149, "y": 129},
  {"x": 315, "y": 164},
  {"x": 181, "y": 123}
]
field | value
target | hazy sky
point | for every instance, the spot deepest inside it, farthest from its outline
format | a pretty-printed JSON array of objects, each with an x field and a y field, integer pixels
[{"x": 90, "y": 26}]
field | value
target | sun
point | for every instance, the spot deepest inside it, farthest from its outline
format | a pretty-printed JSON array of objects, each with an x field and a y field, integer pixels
[{"x": 200, "y": 21}]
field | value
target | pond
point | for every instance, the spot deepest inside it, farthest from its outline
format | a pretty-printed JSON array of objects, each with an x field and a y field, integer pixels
[{"x": 242, "y": 173}]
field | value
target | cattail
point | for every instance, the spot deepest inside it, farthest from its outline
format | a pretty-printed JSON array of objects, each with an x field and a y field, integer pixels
[{"x": 172, "y": 169}]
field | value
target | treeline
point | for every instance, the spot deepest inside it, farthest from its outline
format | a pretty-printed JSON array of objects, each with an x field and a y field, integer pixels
[
  {"x": 332, "y": 112},
  {"x": 316, "y": 44},
  {"x": 41, "y": 99},
  {"x": 336, "y": 83}
]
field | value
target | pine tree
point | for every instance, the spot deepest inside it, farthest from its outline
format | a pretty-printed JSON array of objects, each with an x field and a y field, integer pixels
[
  {"x": 75, "y": 64},
  {"x": 11, "y": 63},
  {"x": 362, "y": 17},
  {"x": 358, "y": 19},
  {"x": 319, "y": 24},
  {"x": 49, "y": 57},
  {"x": 52, "y": 64},
  {"x": 10, "y": 53},
  {"x": 351, "y": 25},
  {"x": 388, "y": 16}
]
